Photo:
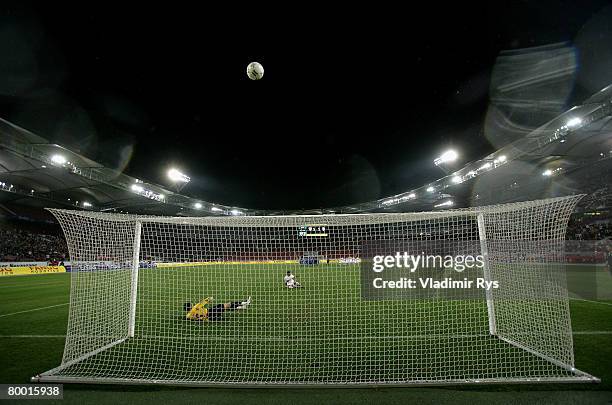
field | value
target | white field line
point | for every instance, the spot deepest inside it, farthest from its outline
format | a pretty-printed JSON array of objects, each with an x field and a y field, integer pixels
[
  {"x": 586, "y": 264},
  {"x": 594, "y": 302},
  {"x": 33, "y": 336},
  {"x": 30, "y": 285},
  {"x": 35, "y": 309},
  {"x": 66, "y": 303},
  {"x": 283, "y": 339}
]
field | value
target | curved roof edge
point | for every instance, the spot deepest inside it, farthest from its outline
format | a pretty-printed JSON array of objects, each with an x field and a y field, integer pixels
[{"x": 114, "y": 191}]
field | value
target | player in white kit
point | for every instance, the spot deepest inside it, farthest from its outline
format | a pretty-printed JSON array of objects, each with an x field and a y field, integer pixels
[{"x": 290, "y": 281}]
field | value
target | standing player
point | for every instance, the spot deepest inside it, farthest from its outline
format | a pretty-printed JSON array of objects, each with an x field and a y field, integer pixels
[
  {"x": 200, "y": 311},
  {"x": 290, "y": 281}
]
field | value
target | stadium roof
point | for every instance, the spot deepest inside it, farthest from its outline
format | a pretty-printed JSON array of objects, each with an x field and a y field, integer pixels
[
  {"x": 560, "y": 158},
  {"x": 36, "y": 172}
]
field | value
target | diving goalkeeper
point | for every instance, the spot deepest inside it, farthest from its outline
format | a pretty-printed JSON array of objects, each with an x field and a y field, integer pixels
[{"x": 203, "y": 311}]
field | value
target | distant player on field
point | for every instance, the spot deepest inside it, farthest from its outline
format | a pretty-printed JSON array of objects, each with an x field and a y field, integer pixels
[
  {"x": 202, "y": 312},
  {"x": 290, "y": 281}
]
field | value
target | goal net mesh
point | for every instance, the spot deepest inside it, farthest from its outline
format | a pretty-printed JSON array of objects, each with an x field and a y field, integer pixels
[{"x": 131, "y": 277}]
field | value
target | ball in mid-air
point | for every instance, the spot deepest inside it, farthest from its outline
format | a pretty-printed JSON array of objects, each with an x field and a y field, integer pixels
[{"x": 255, "y": 71}]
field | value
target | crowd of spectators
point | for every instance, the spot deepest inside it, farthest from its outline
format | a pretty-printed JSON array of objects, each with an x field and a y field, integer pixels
[
  {"x": 22, "y": 242},
  {"x": 586, "y": 228},
  {"x": 589, "y": 237},
  {"x": 24, "y": 245}
]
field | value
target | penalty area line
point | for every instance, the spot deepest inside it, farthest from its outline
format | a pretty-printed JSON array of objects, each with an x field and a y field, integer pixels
[
  {"x": 16, "y": 286},
  {"x": 32, "y": 310},
  {"x": 32, "y": 336}
]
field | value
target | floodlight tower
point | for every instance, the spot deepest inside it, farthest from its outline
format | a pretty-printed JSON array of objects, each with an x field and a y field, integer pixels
[{"x": 179, "y": 179}]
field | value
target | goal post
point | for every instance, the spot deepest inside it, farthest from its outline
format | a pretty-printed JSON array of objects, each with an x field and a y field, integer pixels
[
  {"x": 136, "y": 280},
  {"x": 482, "y": 236},
  {"x": 103, "y": 259}
]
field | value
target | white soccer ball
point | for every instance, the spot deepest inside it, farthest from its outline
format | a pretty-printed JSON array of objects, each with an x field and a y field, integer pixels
[{"x": 255, "y": 71}]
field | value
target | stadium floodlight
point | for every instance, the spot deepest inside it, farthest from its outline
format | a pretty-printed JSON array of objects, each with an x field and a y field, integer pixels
[
  {"x": 485, "y": 166},
  {"x": 574, "y": 122},
  {"x": 216, "y": 209},
  {"x": 176, "y": 176},
  {"x": 547, "y": 173},
  {"x": 430, "y": 189},
  {"x": 236, "y": 212},
  {"x": 137, "y": 188},
  {"x": 197, "y": 205},
  {"x": 520, "y": 332},
  {"x": 457, "y": 179},
  {"x": 500, "y": 159},
  {"x": 86, "y": 204},
  {"x": 411, "y": 195},
  {"x": 59, "y": 159},
  {"x": 448, "y": 203},
  {"x": 446, "y": 157}
]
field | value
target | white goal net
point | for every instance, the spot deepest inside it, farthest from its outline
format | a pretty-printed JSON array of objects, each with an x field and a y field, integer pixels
[{"x": 292, "y": 300}]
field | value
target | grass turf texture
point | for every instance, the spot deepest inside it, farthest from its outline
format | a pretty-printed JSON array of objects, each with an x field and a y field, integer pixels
[{"x": 32, "y": 342}]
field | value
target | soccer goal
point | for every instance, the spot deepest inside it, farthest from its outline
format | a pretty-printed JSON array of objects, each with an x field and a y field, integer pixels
[{"x": 200, "y": 301}]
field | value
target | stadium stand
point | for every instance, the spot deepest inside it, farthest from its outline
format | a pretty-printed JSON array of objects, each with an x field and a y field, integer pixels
[
  {"x": 589, "y": 234},
  {"x": 24, "y": 241}
]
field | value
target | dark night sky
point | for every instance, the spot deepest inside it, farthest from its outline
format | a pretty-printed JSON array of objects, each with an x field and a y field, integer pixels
[{"x": 354, "y": 104}]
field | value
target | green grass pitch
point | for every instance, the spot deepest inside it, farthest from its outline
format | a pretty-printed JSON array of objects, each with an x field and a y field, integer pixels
[{"x": 33, "y": 316}]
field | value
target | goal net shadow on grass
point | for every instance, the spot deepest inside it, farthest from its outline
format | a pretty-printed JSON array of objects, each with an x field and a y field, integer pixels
[{"x": 127, "y": 325}]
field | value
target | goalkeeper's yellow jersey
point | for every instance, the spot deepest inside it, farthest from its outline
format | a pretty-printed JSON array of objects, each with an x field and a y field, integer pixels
[{"x": 199, "y": 312}]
